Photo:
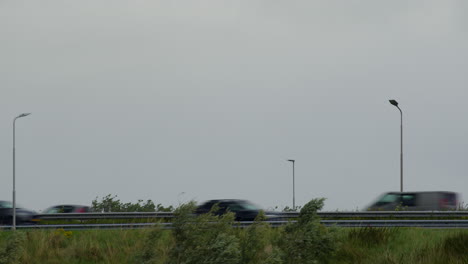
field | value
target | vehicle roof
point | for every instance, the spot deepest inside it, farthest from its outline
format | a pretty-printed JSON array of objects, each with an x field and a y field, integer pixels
[
  {"x": 422, "y": 192},
  {"x": 72, "y": 205},
  {"x": 225, "y": 200}
]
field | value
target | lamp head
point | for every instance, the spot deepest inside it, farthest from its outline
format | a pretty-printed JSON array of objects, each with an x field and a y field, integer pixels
[
  {"x": 23, "y": 115},
  {"x": 393, "y": 102},
  {"x": 291, "y": 160}
]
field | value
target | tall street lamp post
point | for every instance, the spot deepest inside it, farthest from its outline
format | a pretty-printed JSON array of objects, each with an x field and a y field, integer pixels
[
  {"x": 395, "y": 103},
  {"x": 14, "y": 164},
  {"x": 294, "y": 195}
]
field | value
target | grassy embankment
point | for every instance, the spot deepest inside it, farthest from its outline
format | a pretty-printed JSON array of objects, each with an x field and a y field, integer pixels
[
  {"x": 210, "y": 239},
  {"x": 402, "y": 245}
]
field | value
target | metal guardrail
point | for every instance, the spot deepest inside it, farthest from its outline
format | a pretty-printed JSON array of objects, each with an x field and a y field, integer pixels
[
  {"x": 337, "y": 223},
  {"x": 285, "y": 215},
  {"x": 398, "y": 223},
  {"x": 394, "y": 214},
  {"x": 88, "y": 216}
]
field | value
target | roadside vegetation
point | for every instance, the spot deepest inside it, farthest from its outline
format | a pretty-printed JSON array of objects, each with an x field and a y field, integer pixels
[
  {"x": 110, "y": 203},
  {"x": 210, "y": 239}
]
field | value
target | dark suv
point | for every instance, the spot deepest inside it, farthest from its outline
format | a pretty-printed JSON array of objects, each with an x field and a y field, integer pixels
[
  {"x": 242, "y": 209},
  {"x": 416, "y": 201}
]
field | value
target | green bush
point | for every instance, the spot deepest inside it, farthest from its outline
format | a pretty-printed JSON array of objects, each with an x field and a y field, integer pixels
[
  {"x": 207, "y": 238},
  {"x": 257, "y": 243},
  {"x": 308, "y": 241}
]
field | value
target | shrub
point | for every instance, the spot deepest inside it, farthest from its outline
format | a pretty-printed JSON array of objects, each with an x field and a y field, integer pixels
[
  {"x": 290, "y": 209},
  {"x": 256, "y": 243},
  {"x": 308, "y": 241},
  {"x": 207, "y": 238}
]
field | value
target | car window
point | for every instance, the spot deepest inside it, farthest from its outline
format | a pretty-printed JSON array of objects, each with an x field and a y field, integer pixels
[
  {"x": 408, "y": 200},
  {"x": 5, "y": 204},
  {"x": 387, "y": 199},
  {"x": 250, "y": 206},
  {"x": 207, "y": 206},
  {"x": 223, "y": 206},
  {"x": 67, "y": 209},
  {"x": 231, "y": 205},
  {"x": 59, "y": 209},
  {"x": 53, "y": 210},
  {"x": 235, "y": 207}
]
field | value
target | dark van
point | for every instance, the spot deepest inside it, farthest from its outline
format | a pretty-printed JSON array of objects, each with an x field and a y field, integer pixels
[{"x": 416, "y": 201}]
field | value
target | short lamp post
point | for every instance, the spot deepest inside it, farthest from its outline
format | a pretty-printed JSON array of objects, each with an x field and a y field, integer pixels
[
  {"x": 14, "y": 164},
  {"x": 395, "y": 103},
  {"x": 294, "y": 195}
]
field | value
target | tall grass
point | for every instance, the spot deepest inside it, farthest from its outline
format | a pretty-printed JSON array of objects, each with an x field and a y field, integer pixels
[
  {"x": 13, "y": 248},
  {"x": 402, "y": 245},
  {"x": 94, "y": 246},
  {"x": 258, "y": 244},
  {"x": 371, "y": 236},
  {"x": 211, "y": 239}
]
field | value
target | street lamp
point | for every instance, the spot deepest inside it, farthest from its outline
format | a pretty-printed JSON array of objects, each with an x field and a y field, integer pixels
[
  {"x": 395, "y": 103},
  {"x": 14, "y": 191},
  {"x": 294, "y": 199}
]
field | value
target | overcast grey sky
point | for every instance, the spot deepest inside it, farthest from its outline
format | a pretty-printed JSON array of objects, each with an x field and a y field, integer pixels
[{"x": 180, "y": 100}]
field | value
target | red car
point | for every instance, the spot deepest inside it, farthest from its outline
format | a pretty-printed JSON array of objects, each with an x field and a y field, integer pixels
[{"x": 67, "y": 208}]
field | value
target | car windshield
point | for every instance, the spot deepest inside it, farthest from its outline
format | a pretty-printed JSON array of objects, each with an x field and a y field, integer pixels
[
  {"x": 249, "y": 206},
  {"x": 5, "y": 204},
  {"x": 387, "y": 198},
  {"x": 52, "y": 210}
]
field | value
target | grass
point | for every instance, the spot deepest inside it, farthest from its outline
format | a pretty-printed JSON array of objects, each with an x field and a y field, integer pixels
[
  {"x": 356, "y": 245},
  {"x": 403, "y": 245},
  {"x": 95, "y": 246}
]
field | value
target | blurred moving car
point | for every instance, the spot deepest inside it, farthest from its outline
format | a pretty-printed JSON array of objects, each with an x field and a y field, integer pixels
[
  {"x": 67, "y": 208},
  {"x": 23, "y": 216},
  {"x": 416, "y": 201},
  {"x": 242, "y": 209}
]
